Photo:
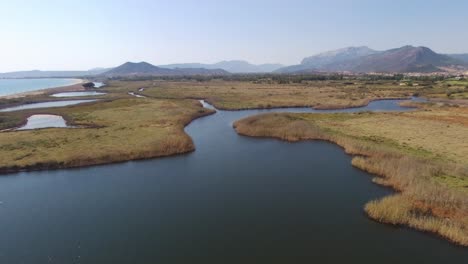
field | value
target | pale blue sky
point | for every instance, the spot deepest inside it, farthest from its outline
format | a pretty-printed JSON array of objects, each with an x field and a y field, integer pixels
[{"x": 82, "y": 34}]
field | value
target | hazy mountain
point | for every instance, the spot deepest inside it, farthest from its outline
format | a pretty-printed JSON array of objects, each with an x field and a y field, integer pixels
[
  {"x": 146, "y": 69},
  {"x": 233, "y": 66},
  {"x": 299, "y": 68},
  {"x": 337, "y": 56},
  {"x": 200, "y": 71},
  {"x": 185, "y": 65},
  {"x": 330, "y": 60},
  {"x": 363, "y": 59},
  {"x": 99, "y": 70},
  {"x": 462, "y": 57},
  {"x": 404, "y": 59},
  {"x": 141, "y": 68},
  {"x": 51, "y": 74},
  {"x": 238, "y": 66}
]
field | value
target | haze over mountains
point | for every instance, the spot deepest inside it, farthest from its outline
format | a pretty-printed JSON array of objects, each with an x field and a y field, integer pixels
[
  {"x": 407, "y": 59},
  {"x": 147, "y": 69},
  {"x": 144, "y": 68},
  {"x": 49, "y": 74},
  {"x": 220, "y": 68},
  {"x": 365, "y": 60},
  {"x": 232, "y": 66},
  {"x": 462, "y": 57}
]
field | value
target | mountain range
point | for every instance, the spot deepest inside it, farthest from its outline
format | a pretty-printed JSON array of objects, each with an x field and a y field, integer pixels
[
  {"x": 232, "y": 66},
  {"x": 363, "y": 60},
  {"x": 52, "y": 74},
  {"x": 146, "y": 69}
]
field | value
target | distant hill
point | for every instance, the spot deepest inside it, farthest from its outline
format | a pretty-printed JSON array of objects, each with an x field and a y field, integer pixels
[
  {"x": 327, "y": 59},
  {"x": 404, "y": 59},
  {"x": 330, "y": 60},
  {"x": 462, "y": 57},
  {"x": 200, "y": 71},
  {"x": 147, "y": 69},
  {"x": 363, "y": 59},
  {"x": 233, "y": 66},
  {"x": 350, "y": 59},
  {"x": 142, "y": 68},
  {"x": 52, "y": 74}
]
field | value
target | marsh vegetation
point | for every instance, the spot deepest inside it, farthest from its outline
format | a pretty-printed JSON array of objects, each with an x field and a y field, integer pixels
[{"x": 119, "y": 130}]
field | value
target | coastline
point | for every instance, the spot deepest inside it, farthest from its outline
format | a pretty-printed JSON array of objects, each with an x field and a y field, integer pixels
[{"x": 75, "y": 86}]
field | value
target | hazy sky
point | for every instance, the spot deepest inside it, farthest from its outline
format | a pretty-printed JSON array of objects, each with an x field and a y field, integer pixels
[{"x": 82, "y": 34}]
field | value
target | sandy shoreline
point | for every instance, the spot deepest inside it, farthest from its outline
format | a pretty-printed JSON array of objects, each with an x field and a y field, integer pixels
[{"x": 77, "y": 86}]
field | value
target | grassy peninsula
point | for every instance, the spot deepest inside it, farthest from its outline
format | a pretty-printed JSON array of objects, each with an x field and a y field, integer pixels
[
  {"x": 421, "y": 154},
  {"x": 109, "y": 131}
]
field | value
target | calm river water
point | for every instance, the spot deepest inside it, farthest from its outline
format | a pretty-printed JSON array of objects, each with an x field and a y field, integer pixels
[{"x": 234, "y": 200}]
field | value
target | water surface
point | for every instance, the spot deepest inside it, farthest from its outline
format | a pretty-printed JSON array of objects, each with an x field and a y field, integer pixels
[
  {"x": 45, "y": 105},
  {"x": 77, "y": 94},
  {"x": 136, "y": 95},
  {"x": 14, "y": 86},
  {"x": 234, "y": 200},
  {"x": 98, "y": 84},
  {"x": 43, "y": 121}
]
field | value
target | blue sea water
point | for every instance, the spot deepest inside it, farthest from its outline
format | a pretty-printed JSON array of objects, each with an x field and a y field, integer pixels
[{"x": 14, "y": 86}]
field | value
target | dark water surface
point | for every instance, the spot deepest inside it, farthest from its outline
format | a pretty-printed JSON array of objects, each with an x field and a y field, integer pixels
[{"x": 234, "y": 200}]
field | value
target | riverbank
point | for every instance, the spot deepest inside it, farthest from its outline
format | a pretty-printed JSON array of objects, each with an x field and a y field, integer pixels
[{"x": 421, "y": 154}]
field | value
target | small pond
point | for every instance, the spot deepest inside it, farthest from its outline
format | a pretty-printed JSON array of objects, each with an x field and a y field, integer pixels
[
  {"x": 77, "y": 94},
  {"x": 43, "y": 121},
  {"x": 98, "y": 84}
]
